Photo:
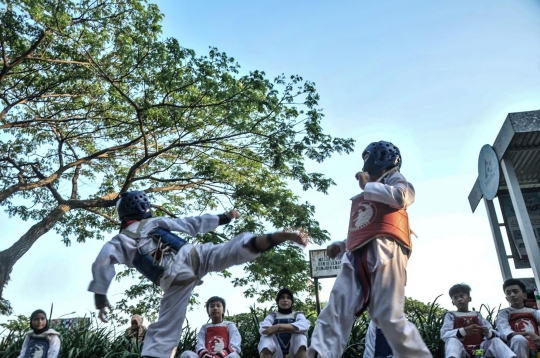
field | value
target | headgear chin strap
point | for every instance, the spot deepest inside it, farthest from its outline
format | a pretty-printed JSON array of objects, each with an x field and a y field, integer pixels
[{"x": 380, "y": 155}]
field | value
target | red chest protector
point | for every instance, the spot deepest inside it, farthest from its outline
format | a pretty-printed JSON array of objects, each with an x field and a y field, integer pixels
[
  {"x": 471, "y": 342},
  {"x": 371, "y": 219},
  {"x": 523, "y": 322},
  {"x": 217, "y": 338}
]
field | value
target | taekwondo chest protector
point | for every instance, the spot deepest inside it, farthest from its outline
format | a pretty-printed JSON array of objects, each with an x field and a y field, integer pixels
[
  {"x": 284, "y": 339},
  {"x": 371, "y": 219},
  {"x": 38, "y": 347},
  {"x": 217, "y": 337},
  {"x": 471, "y": 342},
  {"x": 152, "y": 263},
  {"x": 524, "y": 321}
]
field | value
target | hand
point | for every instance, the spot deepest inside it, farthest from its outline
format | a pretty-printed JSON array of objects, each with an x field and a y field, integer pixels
[
  {"x": 535, "y": 338},
  {"x": 472, "y": 329},
  {"x": 224, "y": 353},
  {"x": 363, "y": 178},
  {"x": 333, "y": 250},
  {"x": 103, "y": 312},
  {"x": 485, "y": 331},
  {"x": 203, "y": 353},
  {"x": 233, "y": 214},
  {"x": 271, "y": 330}
]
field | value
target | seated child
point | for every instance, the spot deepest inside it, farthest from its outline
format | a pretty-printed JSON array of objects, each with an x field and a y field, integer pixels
[
  {"x": 376, "y": 344},
  {"x": 41, "y": 341},
  {"x": 464, "y": 331},
  {"x": 285, "y": 331},
  {"x": 167, "y": 260},
  {"x": 217, "y": 339},
  {"x": 518, "y": 324},
  {"x": 137, "y": 329}
]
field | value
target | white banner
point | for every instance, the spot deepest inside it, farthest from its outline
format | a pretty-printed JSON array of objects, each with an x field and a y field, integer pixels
[{"x": 323, "y": 266}]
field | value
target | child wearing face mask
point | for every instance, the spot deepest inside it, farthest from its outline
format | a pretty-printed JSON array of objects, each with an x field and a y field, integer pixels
[
  {"x": 284, "y": 332},
  {"x": 41, "y": 341}
]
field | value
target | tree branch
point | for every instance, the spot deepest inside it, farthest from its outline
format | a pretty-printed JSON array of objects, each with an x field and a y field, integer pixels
[
  {"x": 106, "y": 216},
  {"x": 32, "y": 48},
  {"x": 9, "y": 257},
  {"x": 6, "y": 193},
  {"x": 164, "y": 210},
  {"x": 74, "y": 185},
  {"x": 59, "y": 61}
]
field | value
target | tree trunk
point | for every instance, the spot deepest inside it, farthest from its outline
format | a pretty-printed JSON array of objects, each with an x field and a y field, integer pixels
[{"x": 10, "y": 256}]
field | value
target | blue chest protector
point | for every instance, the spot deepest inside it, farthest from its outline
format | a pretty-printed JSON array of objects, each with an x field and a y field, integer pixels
[
  {"x": 38, "y": 347},
  {"x": 284, "y": 339},
  {"x": 151, "y": 263},
  {"x": 382, "y": 348}
]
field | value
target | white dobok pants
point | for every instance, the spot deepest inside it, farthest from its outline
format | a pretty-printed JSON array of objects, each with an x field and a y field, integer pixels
[
  {"x": 271, "y": 343},
  {"x": 493, "y": 348},
  {"x": 387, "y": 262},
  {"x": 162, "y": 337},
  {"x": 520, "y": 346}
]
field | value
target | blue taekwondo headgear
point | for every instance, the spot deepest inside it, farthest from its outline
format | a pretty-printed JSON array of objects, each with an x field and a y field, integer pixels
[
  {"x": 134, "y": 205},
  {"x": 380, "y": 155}
]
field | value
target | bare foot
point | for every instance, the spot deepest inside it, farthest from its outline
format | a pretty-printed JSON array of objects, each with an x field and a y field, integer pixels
[
  {"x": 300, "y": 238},
  {"x": 266, "y": 242}
]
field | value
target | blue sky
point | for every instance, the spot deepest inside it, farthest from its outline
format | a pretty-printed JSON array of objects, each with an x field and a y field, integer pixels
[{"x": 435, "y": 78}]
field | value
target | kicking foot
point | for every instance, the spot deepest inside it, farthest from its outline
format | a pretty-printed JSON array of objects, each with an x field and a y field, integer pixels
[
  {"x": 299, "y": 237},
  {"x": 265, "y": 242}
]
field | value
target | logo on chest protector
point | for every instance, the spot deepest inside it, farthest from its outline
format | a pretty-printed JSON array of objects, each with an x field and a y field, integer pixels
[
  {"x": 363, "y": 215},
  {"x": 217, "y": 344},
  {"x": 524, "y": 325}
]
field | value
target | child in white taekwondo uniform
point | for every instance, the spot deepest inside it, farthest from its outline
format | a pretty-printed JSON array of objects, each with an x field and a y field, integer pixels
[
  {"x": 374, "y": 262},
  {"x": 376, "y": 344},
  {"x": 170, "y": 262},
  {"x": 465, "y": 332},
  {"x": 285, "y": 331},
  {"x": 517, "y": 324},
  {"x": 218, "y": 339}
]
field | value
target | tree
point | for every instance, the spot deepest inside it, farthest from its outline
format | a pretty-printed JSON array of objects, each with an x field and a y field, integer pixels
[{"x": 96, "y": 102}]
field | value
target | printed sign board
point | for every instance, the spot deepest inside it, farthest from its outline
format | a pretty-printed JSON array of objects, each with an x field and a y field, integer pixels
[
  {"x": 532, "y": 202},
  {"x": 488, "y": 172},
  {"x": 322, "y": 266}
]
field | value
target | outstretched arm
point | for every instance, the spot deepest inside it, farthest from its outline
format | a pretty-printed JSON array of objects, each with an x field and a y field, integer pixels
[
  {"x": 103, "y": 272},
  {"x": 192, "y": 225}
]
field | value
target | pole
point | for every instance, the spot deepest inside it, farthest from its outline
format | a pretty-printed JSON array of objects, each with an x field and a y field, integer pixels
[
  {"x": 497, "y": 237},
  {"x": 522, "y": 216},
  {"x": 317, "y": 302}
]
